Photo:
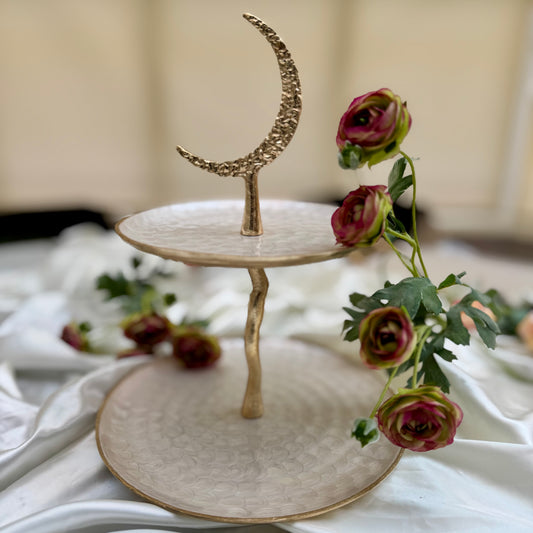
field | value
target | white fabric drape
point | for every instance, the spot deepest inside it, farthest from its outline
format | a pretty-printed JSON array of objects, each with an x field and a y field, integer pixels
[{"x": 52, "y": 478}]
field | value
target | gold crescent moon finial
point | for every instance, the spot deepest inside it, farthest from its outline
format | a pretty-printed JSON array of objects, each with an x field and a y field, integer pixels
[{"x": 275, "y": 142}]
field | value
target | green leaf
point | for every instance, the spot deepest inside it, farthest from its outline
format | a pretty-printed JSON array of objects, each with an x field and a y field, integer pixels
[
  {"x": 169, "y": 298},
  {"x": 486, "y": 327},
  {"x": 364, "y": 303},
  {"x": 352, "y": 334},
  {"x": 455, "y": 330},
  {"x": 347, "y": 325},
  {"x": 397, "y": 171},
  {"x": 507, "y": 317},
  {"x": 395, "y": 224},
  {"x": 136, "y": 262},
  {"x": 400, "y": 187},
  {"x": 431, "y": 300},
  {"x": 356, "y": 297},
  {"x": 404, "y": 366},
  {"x": 352, "y": 326},
  {"x": 429, "y": 371},
  {"x": 451, "y": 280},
  {"x": 474, "y": 296},
  {"x": 115, "y": 287},
  {"x": 85, "y": 327},
  {"x": 397, "y": 182},
  {"x": 354, "y": 313},
  {"x": 487, "y": 335},
  {"x": 509, "y": 323},
  {"x": 410, "y": 293},
  {"x": 446, "y": 354},
  {"x": 433, "y": 375}
]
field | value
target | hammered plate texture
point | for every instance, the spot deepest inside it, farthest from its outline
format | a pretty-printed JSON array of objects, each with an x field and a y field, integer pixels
[
  {"x": 208, "y": 233},
  {"x": 177, "y": 437}
]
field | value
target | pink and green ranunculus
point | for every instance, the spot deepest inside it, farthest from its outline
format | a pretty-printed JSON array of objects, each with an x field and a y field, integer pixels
[
  {"x": 194, "y": 348},
  {"x": 75, "y": 334},
  {"x": 362, "y": 218},
  {"x": 387, "y": 337},
  {"x": 419, "y": 419},
  {"x": 146, "y": 329},
  {"x": 372, "y": 129}
]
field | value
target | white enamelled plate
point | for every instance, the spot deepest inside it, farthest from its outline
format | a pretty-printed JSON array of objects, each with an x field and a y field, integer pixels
[
  {"x": 177, "y": 437},
  {"x": 208, "y": 234}
]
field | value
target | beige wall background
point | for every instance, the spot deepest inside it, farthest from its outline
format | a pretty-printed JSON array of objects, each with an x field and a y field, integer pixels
[{"x": 95, "y": 95}]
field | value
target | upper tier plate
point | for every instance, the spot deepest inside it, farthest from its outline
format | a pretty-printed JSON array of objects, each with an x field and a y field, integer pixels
[{"x": 208, "y": 234}]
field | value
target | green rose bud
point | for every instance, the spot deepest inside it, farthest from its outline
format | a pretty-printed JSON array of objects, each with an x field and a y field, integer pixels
[{"x": 365, "y": 430}]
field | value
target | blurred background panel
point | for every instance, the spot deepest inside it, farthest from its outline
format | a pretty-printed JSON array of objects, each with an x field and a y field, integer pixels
[{"x": 94, "y": 97}]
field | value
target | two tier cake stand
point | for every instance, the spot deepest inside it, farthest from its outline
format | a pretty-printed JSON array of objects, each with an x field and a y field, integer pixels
[{"x": 187, "y": 440}]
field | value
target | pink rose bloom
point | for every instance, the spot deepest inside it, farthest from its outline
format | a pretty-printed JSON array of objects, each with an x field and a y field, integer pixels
[
  {"x": 146, "y": 329},
  {"x": 525, "y": 330},
  {"x": 420, "y": 419},
  {"x": 362, "y": 217},
  {"x": 377, "y": 122},
  {"x": 387, "y": 337},
  {"x": 468, "y": 323},
  {"x": 76, "y": 335},
  {"x": 193, "y": 348}
]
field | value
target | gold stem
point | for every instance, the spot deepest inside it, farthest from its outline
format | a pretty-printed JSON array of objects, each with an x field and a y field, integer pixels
[
  {"x": 252, "y": 406},
  {"x": 251, "y": 220}
]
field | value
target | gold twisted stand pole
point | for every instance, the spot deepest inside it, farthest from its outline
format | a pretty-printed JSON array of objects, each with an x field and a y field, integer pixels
[{"x": 252, "y": 406}]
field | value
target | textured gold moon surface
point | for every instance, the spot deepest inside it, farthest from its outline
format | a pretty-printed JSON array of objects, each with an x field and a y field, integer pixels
[{"x": 284, "y": 126}]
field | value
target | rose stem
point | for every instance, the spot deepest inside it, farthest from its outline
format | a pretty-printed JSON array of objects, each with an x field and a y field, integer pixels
[
  {"x": 420, "y": 344},
  {"x": 413, "y": 213},
  {"x": 398, "y": 253},
  {"x": 383, "y": 392}
]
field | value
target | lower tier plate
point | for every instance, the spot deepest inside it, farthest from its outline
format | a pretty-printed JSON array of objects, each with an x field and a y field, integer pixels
[{"x": 177, "y": 438}]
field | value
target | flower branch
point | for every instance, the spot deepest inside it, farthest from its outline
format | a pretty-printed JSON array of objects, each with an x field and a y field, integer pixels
[
  {"x": 402, "y": 325},
  {"x": 145, "y": 324}
]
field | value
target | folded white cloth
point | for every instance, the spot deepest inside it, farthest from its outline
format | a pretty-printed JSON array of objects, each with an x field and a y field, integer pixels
[{"x": 51, "y": 475}]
